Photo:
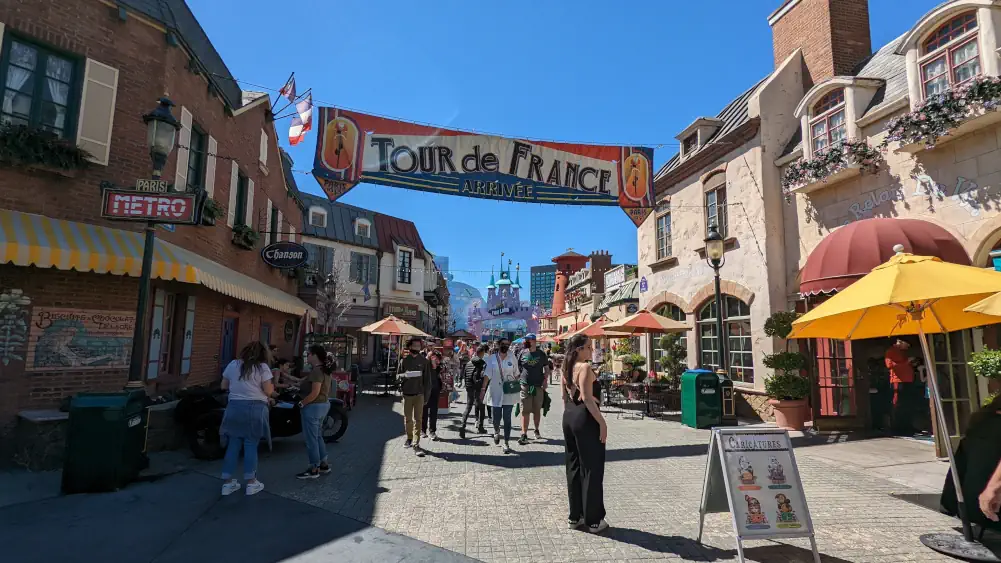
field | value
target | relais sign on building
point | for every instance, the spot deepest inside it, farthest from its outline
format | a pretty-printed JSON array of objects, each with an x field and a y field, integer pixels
[{"x": 151, "y": 202}]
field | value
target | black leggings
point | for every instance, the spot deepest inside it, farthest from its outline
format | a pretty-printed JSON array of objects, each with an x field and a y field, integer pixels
[
  {"x": 585, "y": 459},
  {"x": 473, "y": 401},
  {"x": 430, "y": 416}
]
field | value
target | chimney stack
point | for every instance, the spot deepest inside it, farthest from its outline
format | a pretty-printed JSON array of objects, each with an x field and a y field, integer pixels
[{"x": 833, "y": 34}]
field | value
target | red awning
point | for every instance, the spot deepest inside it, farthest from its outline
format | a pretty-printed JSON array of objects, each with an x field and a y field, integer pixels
[{"x": 852, "y": 251}]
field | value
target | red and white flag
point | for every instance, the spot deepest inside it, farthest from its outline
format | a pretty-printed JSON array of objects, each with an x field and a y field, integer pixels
[
  {"x": 302, "y": 122},
  {"x": 288, "y": 90}
]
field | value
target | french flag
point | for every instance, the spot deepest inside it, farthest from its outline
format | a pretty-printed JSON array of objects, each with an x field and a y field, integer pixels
[{"x": 302, "y": 122}]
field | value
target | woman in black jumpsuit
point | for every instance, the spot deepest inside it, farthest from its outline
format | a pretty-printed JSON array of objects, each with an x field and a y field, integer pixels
[{"x": 584, "y": 433}]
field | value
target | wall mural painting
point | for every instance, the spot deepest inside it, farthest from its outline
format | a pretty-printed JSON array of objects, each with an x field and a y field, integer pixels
[
  {"x": 79, "y": 339},
  {"x": 14, "y": 314}
]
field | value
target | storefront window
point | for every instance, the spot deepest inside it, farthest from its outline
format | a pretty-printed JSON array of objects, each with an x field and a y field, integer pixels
[
  {"x": 737, "y": 325},
  {"x": 670, "y": 311},
  {"x": 835, "y": 378}
]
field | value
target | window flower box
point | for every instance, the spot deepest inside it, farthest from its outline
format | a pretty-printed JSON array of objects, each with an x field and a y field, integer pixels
[
  {"x": 39, "y": 150},
  {"x": 245, "y": 237},
  {"x": 952, "y": 113},
  {"x": 843, "y": 160}
]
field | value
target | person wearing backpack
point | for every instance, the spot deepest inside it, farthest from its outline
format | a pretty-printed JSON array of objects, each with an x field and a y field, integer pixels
[{"x": 503, "y": 389}]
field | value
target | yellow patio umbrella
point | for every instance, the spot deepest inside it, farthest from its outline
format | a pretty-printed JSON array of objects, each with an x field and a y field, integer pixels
[{"x": 909, "y": 295}]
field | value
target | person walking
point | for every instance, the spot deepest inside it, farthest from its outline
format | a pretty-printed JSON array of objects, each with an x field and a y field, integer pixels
[
  {"x": 475, "y": 388},
  {"x": 584, "y": 433},
  {"x": 245, "y": 421},
  {"x": 503, "y": 390},
  {"x": 414, "y": 372},
  {"x": 313, "y": 409},
  {"x": 533, "y": 367},
  {"x": 429, "y": 415}
]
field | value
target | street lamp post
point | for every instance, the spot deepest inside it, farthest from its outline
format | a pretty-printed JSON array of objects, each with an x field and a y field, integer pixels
[
  {"x": 161, "y": 137},
  {"x": 714, "y": 256}
]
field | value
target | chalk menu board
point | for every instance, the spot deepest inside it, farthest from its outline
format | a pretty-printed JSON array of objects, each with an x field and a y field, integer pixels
[{"x": 752, "y": 474}]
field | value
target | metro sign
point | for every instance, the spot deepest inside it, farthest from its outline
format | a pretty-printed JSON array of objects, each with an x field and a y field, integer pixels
[{"x": 178, "y": 208}]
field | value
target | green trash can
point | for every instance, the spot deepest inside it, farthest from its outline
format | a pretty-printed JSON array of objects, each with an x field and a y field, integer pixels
[
  {"x": 105, "y": 441},
  {"x": 700, "y": 399}
]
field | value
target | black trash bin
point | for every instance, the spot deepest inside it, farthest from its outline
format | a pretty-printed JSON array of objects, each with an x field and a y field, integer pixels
[{"x": 105, "y": 441}]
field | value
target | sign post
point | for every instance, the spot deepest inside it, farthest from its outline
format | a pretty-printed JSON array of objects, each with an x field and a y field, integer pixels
[
  {"x": 151, "y": 202},
  {"x": 752, "y": 474}
]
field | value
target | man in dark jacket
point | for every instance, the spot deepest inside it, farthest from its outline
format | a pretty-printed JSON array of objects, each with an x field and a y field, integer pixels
[
  {"x": 414, "y": 372},
  {"x": 473, "y": 381}
]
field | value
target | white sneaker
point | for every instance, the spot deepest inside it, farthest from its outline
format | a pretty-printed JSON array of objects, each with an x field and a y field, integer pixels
[
  {"x": 254, "y": 488},
  {"x": 230, "y": 487},
  {"x": 507, "y": 448},
  {"x": 598, "y": 528}
]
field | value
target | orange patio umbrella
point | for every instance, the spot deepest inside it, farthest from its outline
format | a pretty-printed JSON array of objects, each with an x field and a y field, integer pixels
[
  {"x": 394, "y": 326},
  {"x": 644, "y": 322}
]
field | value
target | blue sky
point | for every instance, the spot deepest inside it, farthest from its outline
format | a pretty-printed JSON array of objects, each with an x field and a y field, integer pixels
[{"x": 574, "y": 70}]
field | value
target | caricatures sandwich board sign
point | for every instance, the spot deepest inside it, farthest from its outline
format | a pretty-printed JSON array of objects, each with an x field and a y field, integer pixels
[
  {"x": 752, "y": 474},
  {"x": 355, "y": 147}
]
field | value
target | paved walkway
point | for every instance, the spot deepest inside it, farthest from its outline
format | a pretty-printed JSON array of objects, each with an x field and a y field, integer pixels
[{"x": 470, "y": 499}]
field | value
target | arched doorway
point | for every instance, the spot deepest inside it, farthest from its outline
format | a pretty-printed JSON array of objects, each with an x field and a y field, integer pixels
[{"x": 737, "y": 328}]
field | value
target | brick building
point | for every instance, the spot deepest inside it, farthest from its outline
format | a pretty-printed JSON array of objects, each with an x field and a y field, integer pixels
[{"x": 88, "y": 70}]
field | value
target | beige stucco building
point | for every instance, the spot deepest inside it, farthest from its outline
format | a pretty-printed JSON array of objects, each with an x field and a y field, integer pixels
[{"x": 831, "y": 92}]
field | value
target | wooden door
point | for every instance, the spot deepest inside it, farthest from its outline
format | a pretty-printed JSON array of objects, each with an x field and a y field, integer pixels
[{"x": 228, "y": 349}]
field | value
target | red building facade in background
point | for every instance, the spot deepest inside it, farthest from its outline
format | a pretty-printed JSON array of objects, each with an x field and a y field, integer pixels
[{"x": 87, "y": 70}]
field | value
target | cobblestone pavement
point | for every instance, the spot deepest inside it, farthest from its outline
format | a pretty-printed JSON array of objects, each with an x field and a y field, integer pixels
[{"x": 468, "y": 497}]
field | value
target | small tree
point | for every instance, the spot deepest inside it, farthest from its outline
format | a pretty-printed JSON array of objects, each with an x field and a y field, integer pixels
[
  {"x": 786, "y": 383},
  {"x": 673, "y": 360},
  {"x": 333, "y": 297}
]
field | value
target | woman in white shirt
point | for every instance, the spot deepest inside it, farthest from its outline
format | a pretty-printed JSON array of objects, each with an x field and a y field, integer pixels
[
  {"x": 503, "y": 389},
  {"x": 249, "y": 382}
]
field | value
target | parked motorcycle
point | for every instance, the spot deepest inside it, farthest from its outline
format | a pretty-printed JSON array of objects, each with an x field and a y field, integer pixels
[{"x": 200, "y": 412}]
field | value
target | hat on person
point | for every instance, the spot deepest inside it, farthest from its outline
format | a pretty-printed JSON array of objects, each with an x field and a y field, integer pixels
[{"x": 530, "y": 336}]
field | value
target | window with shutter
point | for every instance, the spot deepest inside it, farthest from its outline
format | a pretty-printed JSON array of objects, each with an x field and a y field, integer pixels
[
  {"x": 155, "y": 335},
  {"x": 39, "y": 87},
  {"x": 210, "y": 166},
  {"x": 251, "y": 220},
  {"x": 183, "y": 150},
  {"x": 242, "y": 209},
  {"x": 234, "y": 194},
  {"x": 272, "y": 222},
  {"x": 189, "y": 331},
  {"x": 263, "y": 158}
]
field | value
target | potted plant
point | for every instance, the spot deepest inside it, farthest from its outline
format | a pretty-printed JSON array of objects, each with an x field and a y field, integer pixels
[
  {"x": 210, "y": 212},
  {"x": 672, "y": 363},
  {"x": 987, "y": 364},
  {"x": 245, "y": 237},
  {"x": 787, "y": 388}
]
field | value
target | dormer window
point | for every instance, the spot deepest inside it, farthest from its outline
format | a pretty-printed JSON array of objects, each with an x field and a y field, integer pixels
[
  {"x": 317, "y": 217},
  {"x": 827, "y": 120},
  {"x": 690, "y": 143},
  {"x": 950, "y": 56},
  {"x": 363, "y": 228}
]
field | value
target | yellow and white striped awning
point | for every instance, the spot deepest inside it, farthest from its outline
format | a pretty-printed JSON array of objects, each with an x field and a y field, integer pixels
[{"x": 36, "y": 240}]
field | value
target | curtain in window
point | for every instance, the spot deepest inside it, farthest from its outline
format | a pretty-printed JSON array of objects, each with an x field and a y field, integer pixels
[
  {"x": 59, "y": 73},
  {"x": 17, "y": 103}
]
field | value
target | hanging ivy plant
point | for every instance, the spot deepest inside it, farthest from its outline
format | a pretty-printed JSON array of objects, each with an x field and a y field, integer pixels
[
  {"x": 943, "y": 112},
  {"x": 211, "y": 211},
  {"x": 245, "y": 237},
  {"x": 823, "y": 164},
  {"x": 21, "y": 145}
]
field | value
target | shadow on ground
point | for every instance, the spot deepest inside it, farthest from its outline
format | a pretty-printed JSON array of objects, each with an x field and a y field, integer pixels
[{"x": 182, "y": 517}]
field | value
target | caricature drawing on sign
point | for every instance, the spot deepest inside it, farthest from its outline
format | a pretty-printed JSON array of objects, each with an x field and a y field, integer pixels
[
  {"x": 756, "y": 519},
  {"x": 775, "y": 472},
  {"x": 747, "y": 477},
  {"x": 786, "y": 516}
]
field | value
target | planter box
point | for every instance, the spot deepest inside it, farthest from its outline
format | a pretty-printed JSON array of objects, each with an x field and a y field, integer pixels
[
  {"x": 846, "y": 173},
  {"x": 971, "y": 125}
]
